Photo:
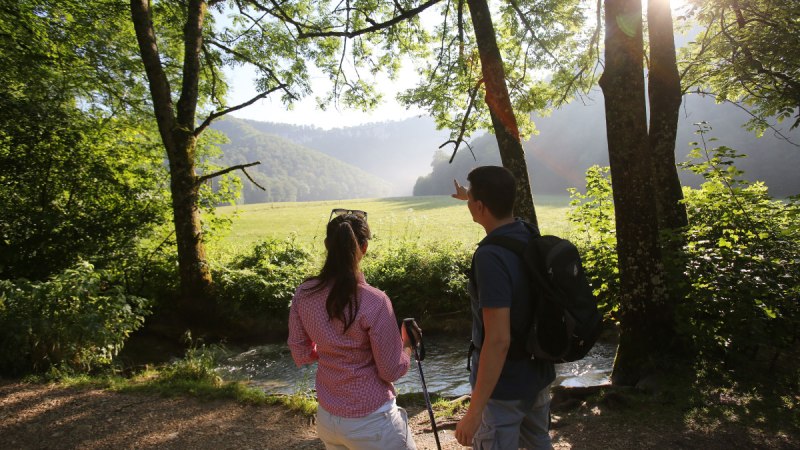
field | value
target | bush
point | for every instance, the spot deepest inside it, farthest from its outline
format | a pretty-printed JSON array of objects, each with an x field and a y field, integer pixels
[
  {"x": 75, "y": 320},
  {"x": 426, "y": 281},
  {"x": 743, "y": 265},
  {"x": 255, "y": 290},
  {"x": 739, "y": 260},
  {"x": 73, "y": 187},
  {"x": 595, "y": 233}
]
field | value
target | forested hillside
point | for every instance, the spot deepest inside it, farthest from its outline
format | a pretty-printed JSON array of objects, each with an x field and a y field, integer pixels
[
  {"x": 292, "y": 172},
  {"x": 398, "y": 151},
  {"x": 573, "y": 139}
]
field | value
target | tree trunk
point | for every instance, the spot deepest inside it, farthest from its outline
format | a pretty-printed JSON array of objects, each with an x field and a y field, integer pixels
[
  {"x": 195, "y": 275},
  {"x": 664, "y": 89},
  {"x": 177, "y": 135},
  {"x": 497, "y": 99},
  {"x": 645, "y": 315}
]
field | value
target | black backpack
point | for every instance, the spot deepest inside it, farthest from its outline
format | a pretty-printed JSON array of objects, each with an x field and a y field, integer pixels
[{"x": 564, "y": 322}]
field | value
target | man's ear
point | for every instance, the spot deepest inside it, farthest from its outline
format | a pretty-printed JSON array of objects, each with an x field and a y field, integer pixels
[{"x": 481, "y": 207}]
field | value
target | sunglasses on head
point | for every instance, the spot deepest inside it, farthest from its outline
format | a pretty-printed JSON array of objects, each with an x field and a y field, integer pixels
[{"x": 342, "y": 211}]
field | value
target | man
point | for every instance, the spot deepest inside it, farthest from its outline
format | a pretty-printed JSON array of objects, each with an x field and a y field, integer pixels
[{"x": 510, "y": 401}]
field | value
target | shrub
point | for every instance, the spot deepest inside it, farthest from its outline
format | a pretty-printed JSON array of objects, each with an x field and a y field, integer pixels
[
  {"x": 255, "y": 290},
  {"x": 73, "y": 187},
  {"x": 743, "y": 265},
  {"x": 594, "y": 227},
  {"x": 426, "y": 281},
  {"x": 740, "y": 260},
  {"x": 76, "y": 320}
]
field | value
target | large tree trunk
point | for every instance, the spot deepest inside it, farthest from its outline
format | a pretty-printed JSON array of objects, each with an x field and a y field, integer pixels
[
  {"x": 497, "y": 99},
  {"x": 664, "y": 89},
  {"x": 177, "y": 134},
  {"x": 645, "y": 315}
]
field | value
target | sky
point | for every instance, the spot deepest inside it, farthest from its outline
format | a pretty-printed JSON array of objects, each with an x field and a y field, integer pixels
[{"x": 306, "y": 112}]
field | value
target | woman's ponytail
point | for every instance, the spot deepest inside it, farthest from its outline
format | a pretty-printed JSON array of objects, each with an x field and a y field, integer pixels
[{"x": 345, "y": 237}]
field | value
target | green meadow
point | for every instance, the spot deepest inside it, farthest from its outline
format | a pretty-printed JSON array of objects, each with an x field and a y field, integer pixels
[{"x": 424, "y": 219}]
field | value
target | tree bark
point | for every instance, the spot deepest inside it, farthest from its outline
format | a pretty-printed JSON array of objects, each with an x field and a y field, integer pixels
[
  {"x": 179, "y": 141},
  {"x": 504, "y": 121},
  {"x": 645, "y": 315},
  {"x": 664, "y": 90}
]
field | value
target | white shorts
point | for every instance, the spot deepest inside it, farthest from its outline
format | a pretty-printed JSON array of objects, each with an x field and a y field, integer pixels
[{"x": 385, "y": 429}]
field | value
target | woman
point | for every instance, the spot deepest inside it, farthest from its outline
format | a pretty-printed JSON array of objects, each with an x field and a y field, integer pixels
[{"x": 349, "y": 327}]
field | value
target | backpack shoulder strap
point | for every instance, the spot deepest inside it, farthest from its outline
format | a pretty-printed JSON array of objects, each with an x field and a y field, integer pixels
[{"x": 516, "y": 246}]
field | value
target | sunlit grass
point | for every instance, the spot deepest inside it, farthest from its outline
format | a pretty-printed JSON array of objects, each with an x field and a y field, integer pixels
[{"x": 425, "y": 219}]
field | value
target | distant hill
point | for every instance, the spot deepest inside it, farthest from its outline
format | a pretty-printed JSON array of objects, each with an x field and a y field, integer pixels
[
  {"x": 398, "y": 158},
  {"x": 397, "y": 152},
  {"x": 292, "y": 172},
  {"x": 573, "y": 139}
]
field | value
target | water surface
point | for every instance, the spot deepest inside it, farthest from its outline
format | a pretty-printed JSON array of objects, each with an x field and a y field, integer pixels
[{"x": 270, "y": 367}]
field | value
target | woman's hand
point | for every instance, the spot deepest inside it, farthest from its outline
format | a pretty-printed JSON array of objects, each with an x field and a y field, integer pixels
[
  {"x": 461, "y": 191},
  {"x": 407, "y": 339}
]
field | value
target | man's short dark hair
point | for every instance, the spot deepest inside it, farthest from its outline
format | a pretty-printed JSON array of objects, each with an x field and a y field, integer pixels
[{"x": 496, "y": 187}]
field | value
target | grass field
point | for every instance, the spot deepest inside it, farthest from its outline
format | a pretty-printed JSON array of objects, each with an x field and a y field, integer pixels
[{"x": 430, "y": 218}]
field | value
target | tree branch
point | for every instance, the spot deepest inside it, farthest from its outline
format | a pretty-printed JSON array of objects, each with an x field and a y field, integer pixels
[
  {"x": 204, "y": 178},
  {"x": 751, "y": 114},
  {"x": 462, "y": 131},
  {"x": 217, "y": 114},
  {"x": 376, "y": 27},
  {"x": 264, "y": 68},
  {"x": 529, "y": 27},
  {"x": 252, "y": 180},
  {"x": 280, "y": 14}
]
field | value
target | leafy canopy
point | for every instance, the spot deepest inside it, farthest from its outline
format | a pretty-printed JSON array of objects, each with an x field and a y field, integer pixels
[{"x": 747, "y": 52}]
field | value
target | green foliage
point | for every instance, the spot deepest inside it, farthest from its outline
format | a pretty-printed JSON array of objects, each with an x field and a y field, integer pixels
[
  {"x": 77, "y": 181},
  {"x": 72, "y": 187},
  {"x": 224, "y": 189},
  {"x": 256, "y": 289},
  {"x": 742, "y": 248},
  {"x": 426, "y": 281},
  {"x": 748, "y": 53},
  {"x": 77, "y": 320},
  {"x": 739, "y": 259},
  {"x": 197, "y": 366},
  {"x": 592, "y": 217},
  {"x": 549, "y": 52}
]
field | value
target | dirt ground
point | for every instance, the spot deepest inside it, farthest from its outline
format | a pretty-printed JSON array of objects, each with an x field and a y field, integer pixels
[{"x": 35, "y": 416}]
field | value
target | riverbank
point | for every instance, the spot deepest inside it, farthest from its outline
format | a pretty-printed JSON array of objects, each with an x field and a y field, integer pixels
[{"x": 39, "y": 416}]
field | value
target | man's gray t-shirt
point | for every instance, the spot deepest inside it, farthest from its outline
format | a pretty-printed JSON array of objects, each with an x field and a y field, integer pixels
[{"x": 500, "y": 277}]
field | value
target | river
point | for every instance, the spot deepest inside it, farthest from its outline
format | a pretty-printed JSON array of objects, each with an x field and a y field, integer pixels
[{"x": 270, "y": 367}]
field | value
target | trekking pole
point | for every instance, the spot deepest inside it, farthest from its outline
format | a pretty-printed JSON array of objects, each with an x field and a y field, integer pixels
[{"x": 410, "y": 326}]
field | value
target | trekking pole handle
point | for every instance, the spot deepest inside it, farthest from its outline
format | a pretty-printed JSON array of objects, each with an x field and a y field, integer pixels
[{"x": 412, "y": 329}]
